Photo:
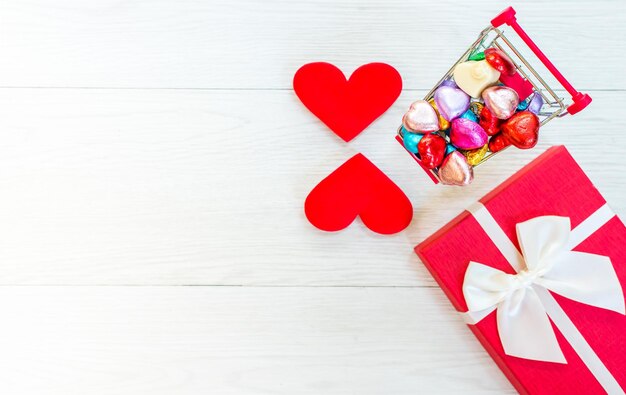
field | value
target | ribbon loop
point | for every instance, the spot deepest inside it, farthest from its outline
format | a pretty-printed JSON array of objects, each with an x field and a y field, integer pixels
[
  {"x": 548, "y": 264},
  {"x": 525, "y": 328},
  {"x": 541, "y": 238}
]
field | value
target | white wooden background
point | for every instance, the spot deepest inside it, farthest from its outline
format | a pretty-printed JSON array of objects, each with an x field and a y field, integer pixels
[{"x": 154, "y": 163}]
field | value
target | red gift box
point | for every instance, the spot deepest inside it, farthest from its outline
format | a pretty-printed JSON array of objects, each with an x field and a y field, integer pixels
[{"x": 592, "y": 339}]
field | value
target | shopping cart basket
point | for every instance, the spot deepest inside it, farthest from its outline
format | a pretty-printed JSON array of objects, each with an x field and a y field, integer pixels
[{"x": 526, "y": 81}]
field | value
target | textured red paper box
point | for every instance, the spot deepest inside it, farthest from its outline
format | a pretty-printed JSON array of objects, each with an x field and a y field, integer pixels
[{"x": 553, "y": 184}]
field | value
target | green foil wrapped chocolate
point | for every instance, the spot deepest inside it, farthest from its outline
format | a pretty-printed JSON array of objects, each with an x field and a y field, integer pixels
[{"x": 477, "y": 56}]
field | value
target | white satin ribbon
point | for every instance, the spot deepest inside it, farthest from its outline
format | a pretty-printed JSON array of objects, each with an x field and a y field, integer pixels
[{"x": 523, "y": 302}]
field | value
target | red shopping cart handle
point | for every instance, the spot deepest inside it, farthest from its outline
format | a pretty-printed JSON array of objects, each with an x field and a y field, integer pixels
[{"x": 579, "y": 100}]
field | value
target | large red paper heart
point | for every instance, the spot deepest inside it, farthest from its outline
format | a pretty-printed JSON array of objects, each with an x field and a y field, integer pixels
[
  {"x": 358, "y": 187},
  {"x": 347, "y": 107}
]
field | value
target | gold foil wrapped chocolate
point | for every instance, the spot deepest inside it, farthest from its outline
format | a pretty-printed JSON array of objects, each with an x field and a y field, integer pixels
[
  {"x": 443, "y": 123},
  {"x": 474, "y": 156},
  {"x": 476, "y": 107}
]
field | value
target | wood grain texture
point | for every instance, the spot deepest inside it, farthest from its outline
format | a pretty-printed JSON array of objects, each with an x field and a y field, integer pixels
[
  {"x": 158, "y": 143},
  {"x": 260, "y": 44},
  {"x": 205, "y": 187},
  {"x": 229, "y": 340}
]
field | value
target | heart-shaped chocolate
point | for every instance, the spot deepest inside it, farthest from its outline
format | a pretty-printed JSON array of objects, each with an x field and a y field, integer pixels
[
  {"x": 476, "y": 107},
  {"x": 474, "y": 76},
  {"x": 501, "y": 100},
  {"x": 469, "y": 114},
  {"x": 498, "y": 142},
  {"x": 467, "y": 134},
  {"x": 535, "y": 103},
  {"x": 450, "y": 148},
  {"x": 431, "y": 149},
  {"x": 411, "y": 140},
  {"x": 500, "y": 61},
  {"x": 451, "y": 102},
  {"x": 522, "y": 129},
  {"x": 455, "y": 170},
  {"x": 449, "y": 82},
  {"x": 421, "y": 118},
  {"x": 489, "y": 122}
]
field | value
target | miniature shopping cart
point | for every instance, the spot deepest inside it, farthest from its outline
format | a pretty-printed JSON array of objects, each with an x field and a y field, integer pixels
[{"x": 525, "y": 82}]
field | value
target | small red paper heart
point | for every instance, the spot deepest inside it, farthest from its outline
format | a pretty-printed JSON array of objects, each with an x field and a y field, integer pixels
[
  {"x": 358, "y": 187},
  {"x": 347, "y": 107}
]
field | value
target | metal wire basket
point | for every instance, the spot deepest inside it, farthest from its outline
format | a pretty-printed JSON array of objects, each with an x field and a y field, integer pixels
[{"x": 527, "y": 78}]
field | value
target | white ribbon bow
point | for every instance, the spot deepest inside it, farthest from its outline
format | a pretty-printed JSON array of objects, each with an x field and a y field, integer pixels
[{"x": 523, "y": 324}]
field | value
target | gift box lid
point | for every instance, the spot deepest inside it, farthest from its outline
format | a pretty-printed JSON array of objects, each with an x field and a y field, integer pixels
[{"x": 552, "y": 184}]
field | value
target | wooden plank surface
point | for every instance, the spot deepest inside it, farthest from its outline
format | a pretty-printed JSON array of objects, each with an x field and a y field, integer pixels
[
  {"x": 259, "y": 44},
  {"x": 230, "y": 340},
  {"x": 150, "y": 145},
  {"x": 165, "y": 187}
]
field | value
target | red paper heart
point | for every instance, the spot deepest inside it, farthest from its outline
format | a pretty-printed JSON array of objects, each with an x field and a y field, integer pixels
[
  {"x": 347, "y": 107},
  {"x": 358, "y": 187}
]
